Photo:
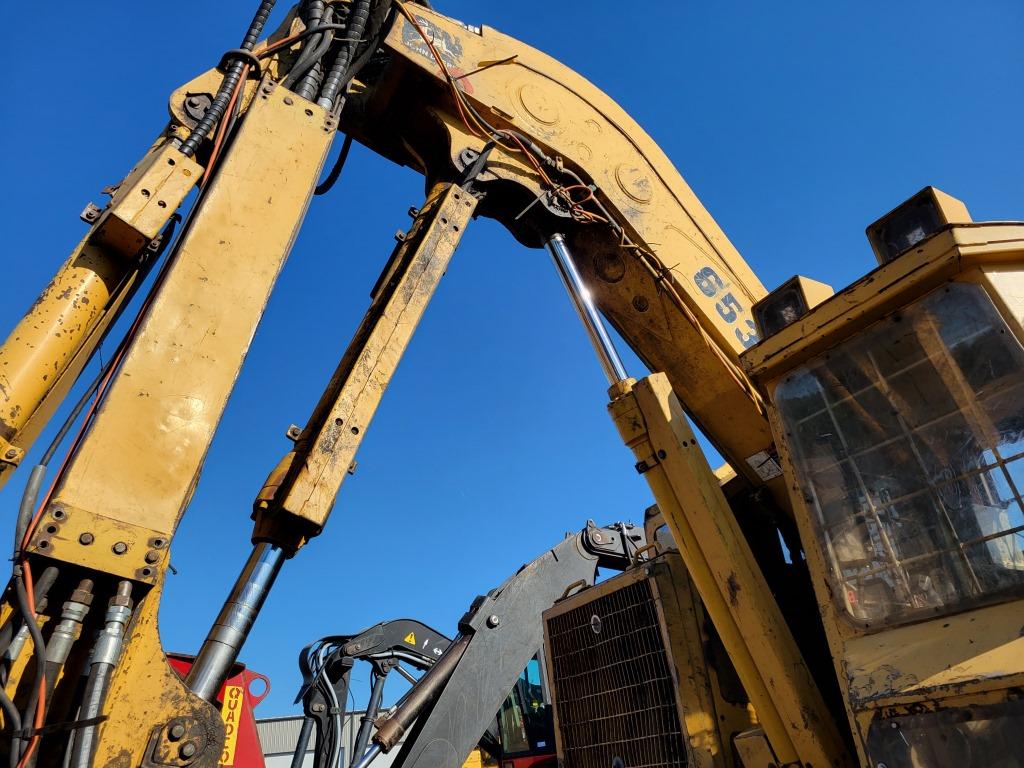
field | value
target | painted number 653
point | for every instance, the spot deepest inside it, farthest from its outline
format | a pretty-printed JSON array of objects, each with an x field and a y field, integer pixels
[{"x": 728, "y": 308}]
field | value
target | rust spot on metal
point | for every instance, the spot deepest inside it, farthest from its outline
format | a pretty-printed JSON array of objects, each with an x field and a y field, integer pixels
[{"x": 734, "y": 589}]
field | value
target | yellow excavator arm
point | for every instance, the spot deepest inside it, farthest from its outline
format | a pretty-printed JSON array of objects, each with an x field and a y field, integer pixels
[
  {"x": 498, "y": 129},
  {"x": 658, "y": 265}
]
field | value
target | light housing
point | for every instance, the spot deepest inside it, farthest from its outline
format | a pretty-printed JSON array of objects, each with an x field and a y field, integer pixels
[
  {"x": 917, "y": 219},
  {"x": 788, "y": 303}
]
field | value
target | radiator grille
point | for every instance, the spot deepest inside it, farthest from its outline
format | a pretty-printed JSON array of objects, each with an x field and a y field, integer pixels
[{"x": 614, "y": 693}]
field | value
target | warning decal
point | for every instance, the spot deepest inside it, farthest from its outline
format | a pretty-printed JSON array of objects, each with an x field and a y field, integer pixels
[{"x": 411, "y": 638}]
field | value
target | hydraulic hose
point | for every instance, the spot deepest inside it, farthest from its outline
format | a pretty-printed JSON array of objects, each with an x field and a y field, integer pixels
[
  {"x": 308, "y": 73},
  {"x": 366, "y": 724},
  {"x": 325, "y": 186},
  {"x": 299, "y": 757},
  {"x": 39, "y": 591},
  {"x": 105, "y": 655},
  {"x": 356, "y": 27},
  {"x": 38, "y": 648},
  {"x": 377, "y": 18},
  {"x": 12, "y": 719},
  {"x": 308, "y": 56},
  {"x": 92, "y": 705},
  {"x": 28, "y": 505},
  {"x": 228, "y": 84},
  {"x": 66, "y": 633}
]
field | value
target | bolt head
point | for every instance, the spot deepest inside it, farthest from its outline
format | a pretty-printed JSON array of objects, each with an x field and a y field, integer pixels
[
  {"x": 176, "y": 731},
  {"x": 493, "y": 620},
  {"x": 188, "y": 749},
  {"x": 318, "y": 707},
  {"x": 11, "y": 453},
  {"x": 152, "y": 556},
  {"x": 120, "y": 548},
  {"x": 86, "y": 539}
]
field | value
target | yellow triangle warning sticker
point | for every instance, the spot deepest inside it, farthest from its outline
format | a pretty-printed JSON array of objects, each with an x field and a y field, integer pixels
[{"x": 411, "y": 638}]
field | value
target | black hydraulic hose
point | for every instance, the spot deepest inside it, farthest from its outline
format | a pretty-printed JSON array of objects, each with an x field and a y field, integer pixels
[
  {"x": 314, "y": 12},
  {"x": 28, "y": 505},
  {"x": 228, "y": 84},
  {"x": 311, "y": 52},
  {"x": 303, "y": 743},
  {"x": 12, "y": 719},
  {"x": 38, "y": 647},
  {"x": 40, "y": 589},
  {"x": 310, "y": 83},
  {"x": 69, "y": 748},
  {"x": 310, "y": 80},
  {"x": 377, "y": 19},
  {"x": 356, "y": 26},
  {"x": 308, "y": 73},
  {"x": 325, "y": 186},
  {"x": 366, "y": 724}
]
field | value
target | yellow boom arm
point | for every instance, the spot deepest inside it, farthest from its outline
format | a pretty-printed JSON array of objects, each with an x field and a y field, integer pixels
[{"x": 498, "y": 129}]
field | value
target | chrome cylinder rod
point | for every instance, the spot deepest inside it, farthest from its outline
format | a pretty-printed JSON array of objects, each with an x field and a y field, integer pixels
[
  {"x": 611, "y": 363},
  {"x": 224, "y": 642},
  {"x": 369, "y": 756}
]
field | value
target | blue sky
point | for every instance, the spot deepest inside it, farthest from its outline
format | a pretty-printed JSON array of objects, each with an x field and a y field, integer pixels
[{"x": 797, "y": 124}]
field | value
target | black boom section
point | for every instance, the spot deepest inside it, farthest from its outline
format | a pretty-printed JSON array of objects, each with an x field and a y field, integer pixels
[{"x": 498, "y": 636}]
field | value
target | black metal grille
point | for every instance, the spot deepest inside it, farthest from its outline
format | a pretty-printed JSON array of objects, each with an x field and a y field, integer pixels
[{"x": 614, "y": 693}]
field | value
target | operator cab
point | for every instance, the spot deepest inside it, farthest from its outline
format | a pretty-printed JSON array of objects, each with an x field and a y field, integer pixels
[
  {"x": 525, "y": 722},
  {"x": 897, "y": 407}
]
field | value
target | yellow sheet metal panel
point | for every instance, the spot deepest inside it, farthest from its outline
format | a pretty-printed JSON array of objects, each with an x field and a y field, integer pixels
[
  {"x": 143, "y": 455},
  {"x": 983, "y": 646}
]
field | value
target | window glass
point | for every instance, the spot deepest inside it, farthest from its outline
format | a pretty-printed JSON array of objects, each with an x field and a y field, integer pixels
[
  {"x": 908, "y": 443},
  {"x": 512, "y": 726},
  {"x": 526, "y": 723},
  {"x": 663, "y": 538}
]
